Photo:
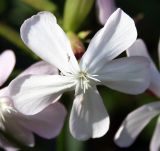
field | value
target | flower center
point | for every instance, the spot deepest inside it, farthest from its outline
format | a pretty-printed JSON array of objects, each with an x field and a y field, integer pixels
[
  {"x": 85, "y": 80},
  {"x": 5, "y": 108}
]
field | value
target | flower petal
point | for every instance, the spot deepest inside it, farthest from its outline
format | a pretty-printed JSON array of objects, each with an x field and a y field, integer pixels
[
  {"x": 118, "y": 34},
  {"x": 12, "y": 126},
  {"x": 4, "y": 92},
  {"x": 47, "y": 123},
  {"x": 139, "y": 49},
  {"x": 135, "y": 122},
  {"x": 39, "y": 68},
  {"x": 31, "y": 94},
  {"x": 6, "y": 145},
  {"x": 89, "y": 118},
  {"x": 43, "y": 35},
  {"x": 155, "y": 144},
  {"x": 7, "y": 63},
  {"x": 11, "y": 149},
  {"x": 105, "y": 9},
  {"x": 129, "y": 75}
]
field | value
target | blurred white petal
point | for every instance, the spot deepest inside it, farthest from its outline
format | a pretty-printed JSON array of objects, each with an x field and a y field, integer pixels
[
  {"x": 105, "y": 9},
  {"x": 6, "y": 145},
  {"x": 18, "y": 132},
  {"x": 31, "y": 94},
  {"x": 40, "y": 68},
  {"x": 135, "y": 123},
  {"x": 7, "y": 63},
  {"x": 139, "y": 49},
  {"x": 155, "y": 143},
  {"x": 47, "y": 123},
  {"x": 4, "y": 92}
]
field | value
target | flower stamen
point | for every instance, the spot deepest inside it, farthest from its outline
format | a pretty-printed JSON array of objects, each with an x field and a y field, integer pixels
[{"x": 85, "y": 80}]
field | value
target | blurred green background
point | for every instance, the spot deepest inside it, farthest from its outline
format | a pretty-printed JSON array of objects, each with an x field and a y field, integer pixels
[{"x": 146, "y": 14}]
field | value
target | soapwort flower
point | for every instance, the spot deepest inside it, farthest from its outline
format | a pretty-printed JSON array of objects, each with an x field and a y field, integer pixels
[
  {"x": 136, "y": 121},
  {"x": 46, "y": 123},
  {"x": 88, "y": 118}
]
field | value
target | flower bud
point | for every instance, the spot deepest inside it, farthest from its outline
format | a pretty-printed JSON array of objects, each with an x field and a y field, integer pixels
[
  {"x": 75, "y": 13},
  {"x": 77, "y": 45}
]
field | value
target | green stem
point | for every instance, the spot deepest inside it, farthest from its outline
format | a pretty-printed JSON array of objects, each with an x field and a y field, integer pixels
[
  {"x": 41, "y": 5},
  {"x": 60, "y": 141},
  {"x": 65, "y": 142}
]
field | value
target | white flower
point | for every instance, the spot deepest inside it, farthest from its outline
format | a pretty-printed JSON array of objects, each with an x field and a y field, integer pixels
[
  {"x": 47, "y": 123},
  {"x": 89, "y": 117},
  {"x": 138, "y": 119}
]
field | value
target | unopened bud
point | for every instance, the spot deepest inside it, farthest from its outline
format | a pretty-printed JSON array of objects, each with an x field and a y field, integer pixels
[
  {"x": 75, "y": 13},
  {"x": 77, "y": 46}
]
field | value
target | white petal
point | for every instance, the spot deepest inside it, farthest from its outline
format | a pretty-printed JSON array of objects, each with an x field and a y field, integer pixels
[
  {"x": 7, "y": 63},
  {"x": 11, "y": 149},
  {"x": 135, "y": 122},
  {"x": 129, "y": 75},
  {"x": 12, "y": 126},
  {"x": 6, "y": 145},
  {"x": 139, "y": 49},
  {"x": 39, "y": 68},
  {"x": 18, "y": 132},
  {"x": 47, "y": 123},
  {"x": 31, "y": 94},
  {"x": 89, "y": 118},
  {"x": 117, "y": 35},
  {"x": 4, "y": 92},
  {"x": 43, "y": 35},
  {"x": 155, "y": 143},
  {"x": 105, "y": 9}
]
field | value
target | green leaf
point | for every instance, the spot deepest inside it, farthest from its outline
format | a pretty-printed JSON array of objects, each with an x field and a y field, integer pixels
[
  {"x": 12, "y": 36},
  {"x": 2, "y": 6},
  {"x": 41, "y": 5}
]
